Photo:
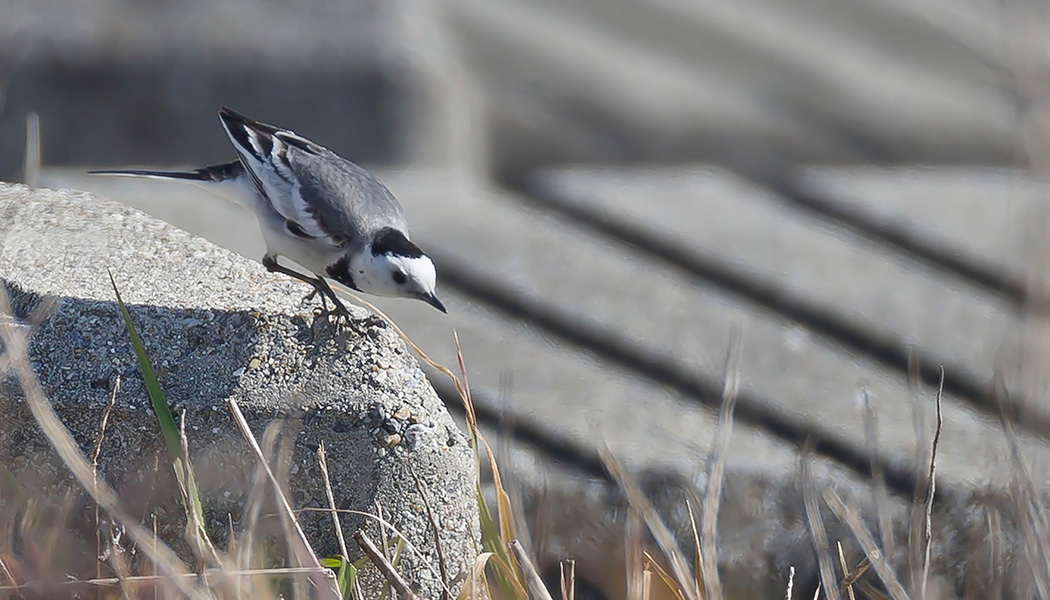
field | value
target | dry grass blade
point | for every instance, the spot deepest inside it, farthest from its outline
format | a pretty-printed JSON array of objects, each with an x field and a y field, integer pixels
[
  {"x": 41, "y": 312},
  {"x": 882, "y": 495},
  {"x": 1030, "y": 505},
  {"x": 533, "y": 583},
  {"x": 322, "y": 578},
  {"x": 94, "y": 467},
  {"x": 568, "y": 579},
  {"x": 850, "y": 517},
  {"x": 845, "y": 570},
  {"x": 385, "y": 568},
  {"x": 651, "y": 564},
  {"x": 917, "y": 518},
  {"x": 697, "y": 551},
  {"x": 461, "y": 387},
  {"x": 66, "y": 448},
  {"x": 664, "y": 538},
  {"x": 424, "y": 560},
  {"x": 194, "y": 508},
  {"x": 634, "y": 555},
  {"x": 853, "y": 576},
  {"x": 931, "y": 487},
  {"x": 791, "y": 582},
  {"x": 9, "y": 575},
  {"x": 716, "y": 472},
  {"x": 477, "y": 578},
  {"x": 213, "y": 574},
  {"x": 322, "y": 460},
  {"x": 817, "y": 532}
]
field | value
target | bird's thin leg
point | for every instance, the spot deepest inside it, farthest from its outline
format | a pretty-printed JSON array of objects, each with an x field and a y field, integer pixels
[
  {"x": 340, "y": 309},
  {"x": 320, "y": 286},
  {"x": 315, "y": 292}
]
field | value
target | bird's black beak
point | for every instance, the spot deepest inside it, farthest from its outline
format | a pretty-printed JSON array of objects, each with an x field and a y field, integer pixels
[{"x": 432, "y": 300}]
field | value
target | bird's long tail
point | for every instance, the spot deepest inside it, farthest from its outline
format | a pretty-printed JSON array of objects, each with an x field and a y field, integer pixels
[{"x": 210, "y": 174}]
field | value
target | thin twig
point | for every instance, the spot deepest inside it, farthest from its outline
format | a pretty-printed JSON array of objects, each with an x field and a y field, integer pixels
[
  {"x": 533, "y": 582},
  {"x": 384, "y": 541},
  {"x": 94, "y": 467},
  {"x": 385, "y": 568},
  {"x": 436, "y": 529},
  {"x": 931, "y": 488},
  {"x": 716, "y": 475},
  {"x": 331, "y": 501},
  {"x": 105, "y": 419}
]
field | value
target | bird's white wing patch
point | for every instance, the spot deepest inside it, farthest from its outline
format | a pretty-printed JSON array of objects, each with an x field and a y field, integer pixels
[{"x": 266, "y": 156}]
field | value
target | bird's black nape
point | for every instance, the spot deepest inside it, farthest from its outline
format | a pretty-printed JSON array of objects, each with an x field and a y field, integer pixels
[{"x": 392, "y": 241}]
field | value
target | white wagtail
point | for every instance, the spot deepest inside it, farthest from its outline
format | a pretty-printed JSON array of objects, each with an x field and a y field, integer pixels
[{"x": 317, "y": 209}]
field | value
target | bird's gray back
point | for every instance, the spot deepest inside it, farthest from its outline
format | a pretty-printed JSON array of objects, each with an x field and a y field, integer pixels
[{"x": 344, "y": 198}]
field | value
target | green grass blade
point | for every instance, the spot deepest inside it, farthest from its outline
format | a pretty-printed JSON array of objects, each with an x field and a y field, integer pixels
[
  {"x": 156, "y": 394},
  {"x": 332, "y": 562},
  {"x": 346, "y": 573}
]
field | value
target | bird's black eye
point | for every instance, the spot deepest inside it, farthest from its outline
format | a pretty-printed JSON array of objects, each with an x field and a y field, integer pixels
[{"x": 399, "y": 277}]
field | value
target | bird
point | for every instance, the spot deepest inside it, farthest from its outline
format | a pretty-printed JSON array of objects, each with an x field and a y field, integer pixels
[{"x": 318, "y": 209}]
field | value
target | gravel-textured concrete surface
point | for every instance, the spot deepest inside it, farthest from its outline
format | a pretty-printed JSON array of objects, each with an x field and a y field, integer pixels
[{"x": 219, "y": 327}]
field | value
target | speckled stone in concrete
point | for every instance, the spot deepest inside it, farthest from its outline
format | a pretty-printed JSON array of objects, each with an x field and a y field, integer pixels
[{"x": 219, "y": 327}]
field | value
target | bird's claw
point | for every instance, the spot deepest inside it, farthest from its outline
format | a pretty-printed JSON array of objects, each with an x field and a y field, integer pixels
[{"x": 338, "y": 310}]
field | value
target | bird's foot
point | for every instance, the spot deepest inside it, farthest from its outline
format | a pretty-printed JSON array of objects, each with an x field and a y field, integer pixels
[
  {"x": 321, "y": 290},
  {"x": 339, "y": 311}
]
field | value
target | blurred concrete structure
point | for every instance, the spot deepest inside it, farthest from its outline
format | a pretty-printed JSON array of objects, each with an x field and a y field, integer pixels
[
  {"x": 610, "y": 187},
  {"x": 540, "y": 82},
  {"x": 120, "y": 82}
]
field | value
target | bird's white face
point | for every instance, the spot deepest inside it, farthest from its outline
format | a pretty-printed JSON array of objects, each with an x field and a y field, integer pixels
[{"x": 398, "y": 276}]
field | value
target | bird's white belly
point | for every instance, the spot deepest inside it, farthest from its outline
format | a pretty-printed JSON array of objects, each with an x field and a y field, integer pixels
[{"x": 315, "y": 256}]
